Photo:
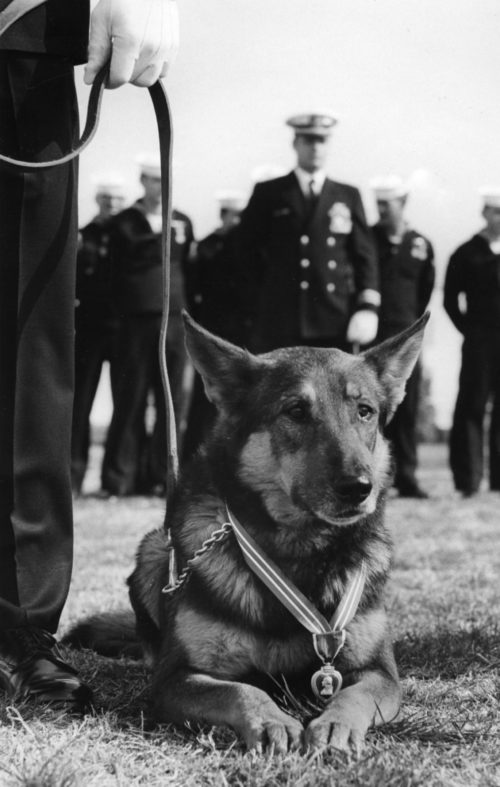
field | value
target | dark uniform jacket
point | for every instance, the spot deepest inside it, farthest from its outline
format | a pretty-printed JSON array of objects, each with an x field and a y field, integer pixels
[
  {"x": 307, "y": 271},
  {"x": 218, "y": 300},
  {"x": 407, "y": 275},
  {"x": 474, "y": 271},
  {"x": 93, "y": 273},
  {"x": 138, "y": 265}
]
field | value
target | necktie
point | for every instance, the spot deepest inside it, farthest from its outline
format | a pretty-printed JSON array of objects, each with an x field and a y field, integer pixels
[{"x": 312, "y": 197}]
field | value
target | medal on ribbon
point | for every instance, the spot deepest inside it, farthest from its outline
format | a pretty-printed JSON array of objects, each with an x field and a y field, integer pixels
[
  {"x": 328, "y": 636},
  {"x": 327, "y": 681}
]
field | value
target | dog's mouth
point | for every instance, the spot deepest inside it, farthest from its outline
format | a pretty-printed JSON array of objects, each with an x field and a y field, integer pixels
[
  {"x": 342, "y": 519},
  {"x": 334, "y": 514}
]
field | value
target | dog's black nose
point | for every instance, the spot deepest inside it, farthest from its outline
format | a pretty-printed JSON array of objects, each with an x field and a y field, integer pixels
[{"x": 354, "y": 489}]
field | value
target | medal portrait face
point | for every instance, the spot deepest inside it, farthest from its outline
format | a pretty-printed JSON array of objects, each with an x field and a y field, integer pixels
[{"x": 326, "y": 683}]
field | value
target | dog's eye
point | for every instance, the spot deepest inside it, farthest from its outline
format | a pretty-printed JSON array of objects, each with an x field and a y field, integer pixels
[
  {"x": 297, "y": 412},
  {"x": 365, "y": 412}
]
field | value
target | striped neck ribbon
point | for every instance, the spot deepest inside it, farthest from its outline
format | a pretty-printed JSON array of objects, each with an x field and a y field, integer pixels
[{"x": 328, "y": 636}]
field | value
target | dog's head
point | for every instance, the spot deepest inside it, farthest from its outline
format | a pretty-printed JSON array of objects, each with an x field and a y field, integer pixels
[{"x": 305, "y": 424}]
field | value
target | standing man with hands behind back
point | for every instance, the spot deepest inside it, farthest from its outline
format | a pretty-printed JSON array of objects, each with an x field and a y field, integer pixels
[
  {"x": 308, "y": 252},
  {"x": 472, "y": 301},
  {"x": 38, "y": 238}
]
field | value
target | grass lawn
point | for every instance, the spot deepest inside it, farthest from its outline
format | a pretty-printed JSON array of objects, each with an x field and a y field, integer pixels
[{"x": 443, "y": 601}]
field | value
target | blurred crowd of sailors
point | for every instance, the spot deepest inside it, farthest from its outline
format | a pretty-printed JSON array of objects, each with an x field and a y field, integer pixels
[{"x": 296, "y": 264}]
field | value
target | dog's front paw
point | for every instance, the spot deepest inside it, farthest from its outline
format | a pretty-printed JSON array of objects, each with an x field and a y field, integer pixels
[
  {"x": 338, "y": 729},
  {"x": 272, "y": 730}
]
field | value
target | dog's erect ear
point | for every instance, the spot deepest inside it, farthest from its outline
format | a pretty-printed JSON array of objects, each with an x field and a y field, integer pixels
[
  {"x": 226, "y": 369},
  {"x": 394, "y": 360}
]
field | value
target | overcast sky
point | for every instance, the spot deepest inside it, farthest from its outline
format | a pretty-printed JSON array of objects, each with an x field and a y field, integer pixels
[{"x": 414, "y": 82}]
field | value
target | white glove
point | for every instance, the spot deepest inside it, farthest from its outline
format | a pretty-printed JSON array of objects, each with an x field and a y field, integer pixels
[
  {"x": 362, "y": 327},
  {"x": 140, "y": 36}
]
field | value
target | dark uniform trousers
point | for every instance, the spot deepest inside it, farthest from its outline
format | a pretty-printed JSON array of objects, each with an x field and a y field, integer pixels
[
  {"x": 474, "y": 271},
  {"x": 479, "y": 379},
  {"x": 38, "y": 234},
  {"x": 402, "y": 432},
  {"x": 94, "y": 344}
]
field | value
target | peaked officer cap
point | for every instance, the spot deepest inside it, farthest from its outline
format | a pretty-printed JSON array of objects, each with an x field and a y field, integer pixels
[{"x": 313, "y": 123}]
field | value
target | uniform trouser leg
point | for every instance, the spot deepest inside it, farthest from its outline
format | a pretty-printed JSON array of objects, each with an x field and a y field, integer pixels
[
  {"x": 38, "y": 232},
  {"x": 89, "y": 357},
  {"x": 137, "y": 351},
  {"x": 494, "y": 444},
  {"x": 466, "y": 437},
  {"x": 402, "y": 431},
  {"x": 494, "y": 437}
]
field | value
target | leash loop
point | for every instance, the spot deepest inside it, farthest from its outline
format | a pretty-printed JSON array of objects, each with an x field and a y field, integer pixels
[{"x": 91, "y": 123}]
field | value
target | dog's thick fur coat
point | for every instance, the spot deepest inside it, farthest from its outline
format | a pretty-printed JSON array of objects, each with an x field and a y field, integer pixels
[{"x": 298, "y": 454}]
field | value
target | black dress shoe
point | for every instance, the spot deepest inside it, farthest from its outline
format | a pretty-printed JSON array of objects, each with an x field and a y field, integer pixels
[
  {"x": 31, "y": 666},
  {"x": 412, "y": 490}
]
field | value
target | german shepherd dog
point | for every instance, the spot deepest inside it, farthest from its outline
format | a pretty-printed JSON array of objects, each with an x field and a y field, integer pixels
[{"x": 297, "y": 454}]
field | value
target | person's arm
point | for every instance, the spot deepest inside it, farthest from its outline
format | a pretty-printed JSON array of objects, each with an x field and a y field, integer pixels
[
  {"x": 140, "y": 36},
  {"x": 453, "y": 287},
  {"x": 363, "y": 325},
  {"x": 427, "y": 279}
]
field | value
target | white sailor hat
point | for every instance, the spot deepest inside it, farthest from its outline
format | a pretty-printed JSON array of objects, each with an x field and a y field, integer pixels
[
  {"x": 230, "y": 200},
  {"x": 389, "y": 187},
  {"x": 318, "y": 124},
  {"x": 490, "y": 196},
  {"x": 149, "y": 164},
  {"x": 108, "y": 183}
]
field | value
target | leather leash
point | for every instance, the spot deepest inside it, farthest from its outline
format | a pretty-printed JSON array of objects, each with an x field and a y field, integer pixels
[{"x": 164, "y": 121}]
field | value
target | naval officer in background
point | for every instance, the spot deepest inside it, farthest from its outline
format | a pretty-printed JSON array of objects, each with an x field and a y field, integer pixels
[{"x": 308, "y": 253}]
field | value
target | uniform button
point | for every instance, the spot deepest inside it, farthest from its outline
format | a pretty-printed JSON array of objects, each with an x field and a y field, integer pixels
[
  {"x": 304, "y": 285},
  {"x": 304, "y": 239},
  {"x": 332, "y": 264},
  {"x": 330, "y": 287},
  {"x": 304, "y": 263},
  {"x": 330, "y": 241}
]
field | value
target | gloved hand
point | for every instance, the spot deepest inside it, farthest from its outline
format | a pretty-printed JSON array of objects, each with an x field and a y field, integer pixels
[
  {"x": 362, "y": 327},
  {"x": 140, "y": 36}
]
